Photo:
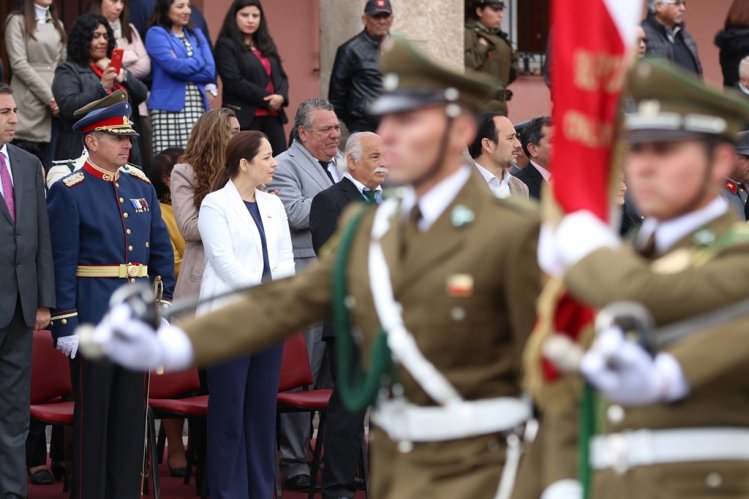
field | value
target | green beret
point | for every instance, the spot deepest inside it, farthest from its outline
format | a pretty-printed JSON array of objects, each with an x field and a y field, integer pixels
[
  {"x": 411, "y": 81},
  {"x": 673, "y": 104}
]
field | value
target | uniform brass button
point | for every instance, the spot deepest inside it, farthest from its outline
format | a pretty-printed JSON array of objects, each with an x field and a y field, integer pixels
[
  {"x": 65, "y": 321},
  {"x": 130, "y": 248},
  {"x": 148, "y": 245},
  {"x": 132, "y": 279},
  {"x": 458, "y": 313},
  {"x": 122, "y": 200},
  {"x": 404, "y": 446},
  {"x": 51, "y": 323},
  {"x": 116, "y": 184},
  {"x": 125, "y": 215},
  {"x": 350, "y": 302},
  {"x": 128, "y": 232},
  {"x": 615, "y": 414},
  {"x": 713, "y": 480}
]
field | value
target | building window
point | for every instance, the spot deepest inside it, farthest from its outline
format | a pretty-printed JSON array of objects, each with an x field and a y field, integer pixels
[{"x": 527, "y": 23}]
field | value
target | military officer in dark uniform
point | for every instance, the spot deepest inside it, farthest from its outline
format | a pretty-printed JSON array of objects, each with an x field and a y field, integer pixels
[
  {"x": 675, "y": 424},
  {"x": 107, "y": 232},
  {"x": 488, "y": 49},
  {"x": 439, "y": 281}
]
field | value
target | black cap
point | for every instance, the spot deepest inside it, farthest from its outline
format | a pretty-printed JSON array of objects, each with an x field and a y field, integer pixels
[
  {"x": 375, "y": 7},
  {"x": 497, "y": 4}
]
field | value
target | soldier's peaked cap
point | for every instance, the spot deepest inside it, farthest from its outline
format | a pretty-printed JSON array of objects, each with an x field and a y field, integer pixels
[
  {"x": 673, "y": 104},
  {"x": 113, "y": 119},
  {"x": 411, "y": 80}
]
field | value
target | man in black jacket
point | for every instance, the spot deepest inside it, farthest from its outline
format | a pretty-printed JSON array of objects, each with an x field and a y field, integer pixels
[
  {"x": 361, "y": 183},
  {"x": 667, "y": 35},
  {"x": 356, "y": 79}
]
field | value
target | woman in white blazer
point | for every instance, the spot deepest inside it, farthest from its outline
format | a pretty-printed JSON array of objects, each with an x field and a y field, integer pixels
[{"x": 246, "y": 238}]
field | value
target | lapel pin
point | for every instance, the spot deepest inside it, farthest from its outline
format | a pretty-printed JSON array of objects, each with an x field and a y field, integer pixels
[{"x": 462, "y": 216}]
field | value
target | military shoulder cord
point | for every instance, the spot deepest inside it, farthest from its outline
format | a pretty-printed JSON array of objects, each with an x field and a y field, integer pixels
[{"x": 358, "y": 387}]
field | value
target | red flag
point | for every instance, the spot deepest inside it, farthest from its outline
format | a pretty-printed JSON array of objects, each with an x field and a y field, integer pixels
[{"x": 590, "y": 45}]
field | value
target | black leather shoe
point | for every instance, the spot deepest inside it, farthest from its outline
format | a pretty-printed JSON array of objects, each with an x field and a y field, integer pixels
[
  {"x": 42, "y": 477},
  {"x": 58, "y": 470},
  {"x": 360, "y": 483},
  {"x": 177, "y": 472},
  {"x": 299, "y": 483}
]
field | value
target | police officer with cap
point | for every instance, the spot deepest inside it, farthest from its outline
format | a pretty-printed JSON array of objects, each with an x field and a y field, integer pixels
[
  {"x": 677, "y": 424},
  {"x": 425, "y": 333},
  {"x": 489, "y": 50},
  {"x": 735, "y": 187},
  {"x": 107, "y": 232}
]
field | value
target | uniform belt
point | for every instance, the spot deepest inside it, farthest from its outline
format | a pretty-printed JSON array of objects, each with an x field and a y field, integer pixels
[
  {"x": 621, "y": 451},
  {"x": 121, "y": 271},
  {"x": 407, "y": 422}
]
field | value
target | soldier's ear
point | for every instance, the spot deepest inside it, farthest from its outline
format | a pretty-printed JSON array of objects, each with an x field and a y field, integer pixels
[
  {"x": 90, "y": 141},
  {"x": 723, "y": 161}
]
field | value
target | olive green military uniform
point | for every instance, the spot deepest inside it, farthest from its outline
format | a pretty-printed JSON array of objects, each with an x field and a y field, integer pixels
[
  {"x": 496, "y": 59},
  {"x": 690, "y": 279}
]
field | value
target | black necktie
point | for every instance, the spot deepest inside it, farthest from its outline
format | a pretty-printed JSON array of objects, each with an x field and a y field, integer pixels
[{"x": 324, "y": 165}]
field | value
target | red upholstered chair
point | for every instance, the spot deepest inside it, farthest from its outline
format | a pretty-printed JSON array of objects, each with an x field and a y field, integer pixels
[
  {"x": 172, "y": 396},
  {"x": 296, "y": 373},
  {"x": 50, "y": 384}
]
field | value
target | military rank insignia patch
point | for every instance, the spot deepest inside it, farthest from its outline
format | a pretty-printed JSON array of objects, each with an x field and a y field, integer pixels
[
  {"x": 462, "y": 216},
  {"x": 459, "y": 286},
  {"x": 74, "y": 179},
  {"x": 140, "y": 205}
]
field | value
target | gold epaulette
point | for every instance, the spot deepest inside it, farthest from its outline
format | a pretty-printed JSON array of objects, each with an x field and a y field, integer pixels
[
  {"x": 74, "y": 179},
  {"x": 136, "y": 172}
]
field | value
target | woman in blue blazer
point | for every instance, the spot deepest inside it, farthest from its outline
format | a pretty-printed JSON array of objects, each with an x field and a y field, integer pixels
[
  {"x": 183, "y": 74},
  {"x": 255, "y": 83},
  {"x": 246, "y": 238}
]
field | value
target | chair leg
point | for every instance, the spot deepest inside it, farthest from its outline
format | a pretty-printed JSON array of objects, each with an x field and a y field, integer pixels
[
  {"x": 161, "y": 442},
  {"x": 152, "y": 445},
  {"x": 365, "y": 464},
  {"x": 316, "y": 455}
]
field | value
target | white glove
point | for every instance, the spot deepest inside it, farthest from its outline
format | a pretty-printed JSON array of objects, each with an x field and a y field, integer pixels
[
  {"x": 68, "y": 345},
  {"x": 580, "y": 234},
  {"x": 134, "y": 344},
  {"x": 549, "y": 258},
  {"x": 563, "y": 489},
  {"x": 626, "y": 374}
]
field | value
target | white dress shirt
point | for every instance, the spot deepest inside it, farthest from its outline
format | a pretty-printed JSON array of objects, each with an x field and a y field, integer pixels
[
  {"x": 437, "y": 199},
  {"x": 500, "y": 187},
  {"x": 672, "y": 231},
  {"x": 361, "y": 186},
  {"x": 4, "y": 152}
]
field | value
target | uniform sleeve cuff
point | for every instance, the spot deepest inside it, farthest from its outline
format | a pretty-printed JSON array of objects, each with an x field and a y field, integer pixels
[
  {"x": 582, "y": 233},
  {"x": 675, "y": 384}
]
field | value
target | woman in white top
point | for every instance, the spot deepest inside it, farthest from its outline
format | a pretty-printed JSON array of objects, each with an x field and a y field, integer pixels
[
  {"x": 35, "y": 41},
  {"x": 246, "y": 238}
]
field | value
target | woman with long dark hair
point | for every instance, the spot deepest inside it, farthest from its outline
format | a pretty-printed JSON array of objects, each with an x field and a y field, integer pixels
[
  {"x": 35, "y": 41},
  {"x": 183, "y": 74},
  {"x": 255, "y": 84},
  {"x": 87, "y": 76},
  {"x": 733, "y": 41},
  {"x": 247, "y": 241}
]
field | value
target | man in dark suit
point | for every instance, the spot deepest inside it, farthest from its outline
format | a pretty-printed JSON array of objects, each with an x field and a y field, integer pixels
[
  {"x": 536, "y": 139},
  {"x": 29, "y": 291},
  {"x": 362, "y": 182}
]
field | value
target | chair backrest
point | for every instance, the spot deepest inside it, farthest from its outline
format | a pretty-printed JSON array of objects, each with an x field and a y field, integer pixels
[
  {"x": 50, "y": 370},
  {"x": 295, "y": 369},
  {"x": 174, "y": 385}
]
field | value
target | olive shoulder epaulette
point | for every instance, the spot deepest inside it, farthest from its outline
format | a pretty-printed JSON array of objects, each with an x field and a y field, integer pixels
[
  {"x": 518, "y": 204},
  {"x": 74, "y": 179},
  {"x": 136, "y": 172},
  {"x": 709, "y": 244}
]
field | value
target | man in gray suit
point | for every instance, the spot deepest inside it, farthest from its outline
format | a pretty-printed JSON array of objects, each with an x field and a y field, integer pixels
[
  {"x": 309, "y": 166},
  {"x": 28, "y": 291}
]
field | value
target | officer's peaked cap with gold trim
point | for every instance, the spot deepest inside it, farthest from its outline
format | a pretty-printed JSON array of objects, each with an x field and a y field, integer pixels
[{"x": 113, "y": 119}]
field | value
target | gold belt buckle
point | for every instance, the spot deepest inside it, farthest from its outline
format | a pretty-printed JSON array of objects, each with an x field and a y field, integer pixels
[{"x": 132, "y": 270}]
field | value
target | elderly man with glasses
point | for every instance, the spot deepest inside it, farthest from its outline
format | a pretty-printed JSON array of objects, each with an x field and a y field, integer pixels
[{"x": 667, "y": 35}]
